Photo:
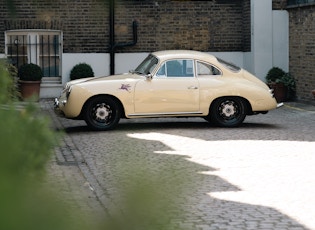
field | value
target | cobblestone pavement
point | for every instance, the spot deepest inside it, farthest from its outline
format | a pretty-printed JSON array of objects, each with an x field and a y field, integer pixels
[{"x": 257, "y": 176}]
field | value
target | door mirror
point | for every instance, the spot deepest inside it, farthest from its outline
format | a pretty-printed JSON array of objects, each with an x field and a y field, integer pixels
[{"x": 149, "y": 76}]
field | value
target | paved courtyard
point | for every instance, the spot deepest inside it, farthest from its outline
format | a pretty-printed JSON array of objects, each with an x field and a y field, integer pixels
[{"x": 257, "y": 176}]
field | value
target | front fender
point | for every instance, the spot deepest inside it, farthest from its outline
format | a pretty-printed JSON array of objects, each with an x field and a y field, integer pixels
[
  {"x": 72, "y": 106},
  {"x": 123, "y": 91}
]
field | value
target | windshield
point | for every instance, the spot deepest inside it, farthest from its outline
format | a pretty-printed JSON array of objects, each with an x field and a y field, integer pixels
[
  {"x": 147, "y": 65},
  {"x": 230, "y": 66}
]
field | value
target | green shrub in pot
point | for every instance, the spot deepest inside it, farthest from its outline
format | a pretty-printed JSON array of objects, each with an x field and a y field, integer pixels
[
  {"x": 30, "y": 76},
  {"x": 30, "y": 72},
  {"x": 81, "y": 70},
  {"x": 282, "y": 83}
]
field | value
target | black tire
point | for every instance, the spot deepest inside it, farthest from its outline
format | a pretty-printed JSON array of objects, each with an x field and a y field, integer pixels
[
  {"x": 102, "y": 113},
  {"x": 228, "y": 111}
]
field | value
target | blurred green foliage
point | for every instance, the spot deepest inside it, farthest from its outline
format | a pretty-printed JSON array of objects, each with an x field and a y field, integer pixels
[
  {"x": 8, "y": 82},
  {"x": 146, "y": 200},
  {"x": 26, "y": 145}
]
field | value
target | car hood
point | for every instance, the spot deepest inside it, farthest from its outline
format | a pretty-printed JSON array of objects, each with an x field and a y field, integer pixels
[{"x": 125, "y": 77}]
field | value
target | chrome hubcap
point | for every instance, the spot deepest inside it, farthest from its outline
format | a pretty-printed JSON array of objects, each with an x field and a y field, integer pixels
[
  {"x": 228, "y": 109},
  {"x": 102, "y": 112}
]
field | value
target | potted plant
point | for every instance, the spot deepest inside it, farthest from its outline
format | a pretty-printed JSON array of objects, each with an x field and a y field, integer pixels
[
  {"x": 282, "y": 83},
  {"x": 289, "y": 81},
  {"x": 81, "y": 70},
  {"x": 30, "y": 76}
]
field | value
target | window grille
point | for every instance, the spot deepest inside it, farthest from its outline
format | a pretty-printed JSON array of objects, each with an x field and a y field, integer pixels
[{"x": 41, "y": 48}]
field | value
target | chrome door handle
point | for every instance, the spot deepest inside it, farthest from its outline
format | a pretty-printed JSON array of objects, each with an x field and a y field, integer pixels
[{"x": 192, "y": 87}]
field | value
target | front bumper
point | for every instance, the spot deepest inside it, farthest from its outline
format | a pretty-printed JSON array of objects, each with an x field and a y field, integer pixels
[{"x": 57, "y": 109}]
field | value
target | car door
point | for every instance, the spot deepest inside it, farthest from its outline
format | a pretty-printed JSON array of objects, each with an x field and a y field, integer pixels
[{"x": 174, "y": 89}]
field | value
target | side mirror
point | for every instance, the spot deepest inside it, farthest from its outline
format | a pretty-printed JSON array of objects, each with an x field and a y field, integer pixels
[{"x": 149, "y": 76}]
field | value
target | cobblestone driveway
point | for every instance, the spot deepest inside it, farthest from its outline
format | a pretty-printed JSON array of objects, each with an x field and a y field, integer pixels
[{"x": 257, "y": 176}]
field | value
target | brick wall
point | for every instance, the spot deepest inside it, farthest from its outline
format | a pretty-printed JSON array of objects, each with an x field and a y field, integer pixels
[
  {"x": 301, "y": 47},
  {"x": 163, "y": 24},
  {"x": 279, "y": 4},
  {"x": 302, "y": 50},
  {"x": 246, "y": 26},
  {"x": 199, "y": 25},
  {"x": 84, "y": 23}
]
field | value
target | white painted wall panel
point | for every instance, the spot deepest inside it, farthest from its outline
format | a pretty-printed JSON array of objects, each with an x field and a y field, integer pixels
[
  {"x": 261, "y": 39},
  {"x": 280, "y": 51},
  {"x": 98, "y": 61}
]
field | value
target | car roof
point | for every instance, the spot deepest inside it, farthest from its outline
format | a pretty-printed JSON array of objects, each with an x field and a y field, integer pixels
[{"x": 169, "y": 54}]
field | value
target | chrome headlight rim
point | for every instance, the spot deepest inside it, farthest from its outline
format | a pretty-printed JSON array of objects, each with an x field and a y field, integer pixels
[
  {"x": 67, "y": 90},
  {"x": 271, "y": 93}
]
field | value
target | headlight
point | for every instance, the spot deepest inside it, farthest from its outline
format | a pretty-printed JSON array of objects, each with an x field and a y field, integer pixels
[
  {"x": 67, "y": 90},
  {"x": 271, "y": 92}
]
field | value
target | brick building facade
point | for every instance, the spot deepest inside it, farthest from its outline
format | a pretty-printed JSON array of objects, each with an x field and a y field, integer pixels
[
  {"x": 219, "y": 26},
  {"x": 164, "y": 24},
  {"x": 302, "y": 48},
  {"x": 301, "y": 44}
]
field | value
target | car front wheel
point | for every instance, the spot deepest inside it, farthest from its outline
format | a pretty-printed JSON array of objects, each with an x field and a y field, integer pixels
[
  {"x": 228, "y": 111},
  {"x": 102, "y": 113}
]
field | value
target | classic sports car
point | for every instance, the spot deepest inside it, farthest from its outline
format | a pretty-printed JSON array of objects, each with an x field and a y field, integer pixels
[{"x": 168, "y": 84}]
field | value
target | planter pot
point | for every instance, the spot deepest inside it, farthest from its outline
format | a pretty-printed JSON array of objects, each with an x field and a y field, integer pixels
[
  {"x": 280, "y": 91},
  {"x": 30, "y": 90}
]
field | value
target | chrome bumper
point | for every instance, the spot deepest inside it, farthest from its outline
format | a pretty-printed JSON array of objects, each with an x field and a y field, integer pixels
[
  {"x": 57, "y": 110},
  {"x": 280, "y": 105},
  {"x": 56, "y": 103}
]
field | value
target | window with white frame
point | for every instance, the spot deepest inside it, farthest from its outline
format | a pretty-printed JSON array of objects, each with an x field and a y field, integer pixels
[
  {"x": 204, "y": 69},
  {"x": 41, "y": 47},
  {"x": 176, "y": 68}
]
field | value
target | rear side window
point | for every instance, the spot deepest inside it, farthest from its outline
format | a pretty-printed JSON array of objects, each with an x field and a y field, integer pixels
[{"x": 204, "y": 69}]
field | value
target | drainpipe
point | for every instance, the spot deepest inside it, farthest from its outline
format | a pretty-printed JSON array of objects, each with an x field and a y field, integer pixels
[
  {"x": 112, "y": 36},
  {"x": 135, "y": 37},
  {"x": 112, "y": 43}
]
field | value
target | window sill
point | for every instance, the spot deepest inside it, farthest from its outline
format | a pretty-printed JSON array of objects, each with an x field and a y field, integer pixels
[{"x": 51, "y": 80}]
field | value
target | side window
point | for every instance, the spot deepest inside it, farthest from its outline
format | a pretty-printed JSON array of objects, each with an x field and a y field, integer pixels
[
  {"x": 206, "y": 69},
  {"x": 161, "y": 72},
  {"x": 177, "y": 68}
]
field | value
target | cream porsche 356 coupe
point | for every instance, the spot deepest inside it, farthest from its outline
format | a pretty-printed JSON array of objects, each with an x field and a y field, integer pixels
[{"x": 168, "y": 84}]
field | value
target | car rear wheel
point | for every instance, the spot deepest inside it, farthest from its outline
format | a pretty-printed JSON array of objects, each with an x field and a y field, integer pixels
[
  {"x": 228, "y": 111},
  {"x": 102, "y": 113}
]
